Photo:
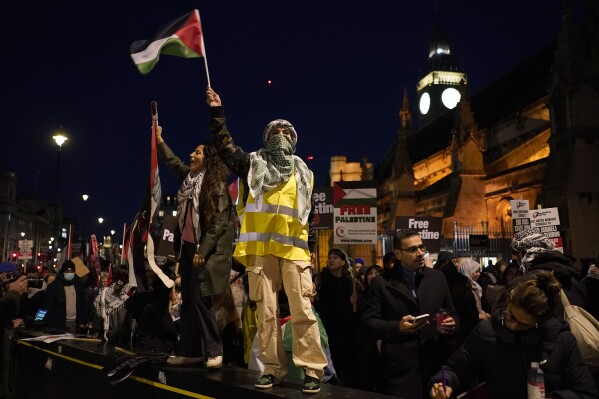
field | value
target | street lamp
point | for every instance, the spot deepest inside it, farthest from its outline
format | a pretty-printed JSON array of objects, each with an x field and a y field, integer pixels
[
  {"x": 112, "y": 232},
  {"x": 23, "y": 234},
  {"x": 100, "y": 220},
  {"x": 59, "y": 138},
  {"x": 84, "y": 197}
]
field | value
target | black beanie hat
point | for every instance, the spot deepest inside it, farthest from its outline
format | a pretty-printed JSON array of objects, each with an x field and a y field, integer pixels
[{"x": 68, "y": 264}]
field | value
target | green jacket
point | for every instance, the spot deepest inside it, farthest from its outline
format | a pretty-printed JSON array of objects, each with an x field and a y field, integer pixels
[{"x": 216, "y": 242}]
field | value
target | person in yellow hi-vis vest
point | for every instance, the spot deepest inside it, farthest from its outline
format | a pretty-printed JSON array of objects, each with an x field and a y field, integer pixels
[{"x": 274, "y": 206}]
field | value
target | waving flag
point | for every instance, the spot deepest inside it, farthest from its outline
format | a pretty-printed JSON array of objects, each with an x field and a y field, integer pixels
[
  {"x": 181, "y": 37},
  {"x": 138, "y": 235}
]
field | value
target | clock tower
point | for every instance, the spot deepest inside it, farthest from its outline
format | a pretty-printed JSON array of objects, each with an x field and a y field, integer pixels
[{"x": 437, "y": 91}]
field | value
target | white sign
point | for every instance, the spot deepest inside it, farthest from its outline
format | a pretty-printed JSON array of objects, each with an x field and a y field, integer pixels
[
  {"x": 25, "y": 245},
  {"x": 520, "y": 217},
  {"x": 544, "y": 217},
  {"x": 546, "y": 221}
]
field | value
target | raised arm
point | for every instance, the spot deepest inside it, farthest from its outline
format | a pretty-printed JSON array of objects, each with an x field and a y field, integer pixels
[
  {"x": 233, "y": 156},
  {"x": 173, "y": 162}
]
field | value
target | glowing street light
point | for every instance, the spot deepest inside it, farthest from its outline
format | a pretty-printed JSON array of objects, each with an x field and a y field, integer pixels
[
  {"x": 100, "y": 220},
  {"x": 59, "y": 138}
]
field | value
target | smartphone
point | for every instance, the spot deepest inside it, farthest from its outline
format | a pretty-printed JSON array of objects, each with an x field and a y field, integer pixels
[{"x": 421, "y": 319}]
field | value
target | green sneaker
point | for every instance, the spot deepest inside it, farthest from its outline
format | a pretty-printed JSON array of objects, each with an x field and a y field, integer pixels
[
  {"x": 266, "y": 381},
  {"x": 311, "y": 385}
]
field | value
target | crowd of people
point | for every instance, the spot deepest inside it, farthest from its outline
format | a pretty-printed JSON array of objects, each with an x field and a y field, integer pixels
[{"x": 402, "y": 329}]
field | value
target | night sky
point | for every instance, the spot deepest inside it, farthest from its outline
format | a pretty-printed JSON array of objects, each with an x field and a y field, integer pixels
[{"x": 338, "y": 70}]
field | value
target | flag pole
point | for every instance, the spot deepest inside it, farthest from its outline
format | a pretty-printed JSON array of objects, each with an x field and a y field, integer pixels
[
  {"x": 205, "y": 56},
  {"x": 123, "y": 246}
]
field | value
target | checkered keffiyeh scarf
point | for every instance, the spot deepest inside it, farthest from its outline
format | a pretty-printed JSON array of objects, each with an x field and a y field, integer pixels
[
  {"x": 530, "y": 238},
  {"x": 109, "y": 302},
  {"x": 532, "y": 243},
  {"x": 190, "y": 191},
  {"x": 273, "y": 165}
]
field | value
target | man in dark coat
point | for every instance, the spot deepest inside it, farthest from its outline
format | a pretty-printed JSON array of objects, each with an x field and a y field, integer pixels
[
  {"x": 411, "y": 351},
  {"x": 65, "y": 301}
]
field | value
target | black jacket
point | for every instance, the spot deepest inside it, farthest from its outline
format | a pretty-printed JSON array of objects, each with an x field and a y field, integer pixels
[
  {"x": 407, "y": 361},
  {"x": 56, "y": 305},
  {"x": 505, "y": 357}
]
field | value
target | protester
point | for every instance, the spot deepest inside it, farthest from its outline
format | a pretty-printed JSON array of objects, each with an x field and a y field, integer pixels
[
  {"x": 336, "y": 304},
  {"x": 410, "y": 351},
  {"x": 591, "y": 280},
  {"x": 205, "y": 239},
  {"x": 389, "y": 260},
  {"x": 504, "y": 347},
  {"x": 471, "y": 269},
  {"x": 156, "y": 330},
  {"x": 9, "y": 307},
  {"x": 461, "y": 294},
  {"x": 65, "y": 301},
  {"x": 114, "y": 321},
  {"x": 275, "y": 204}
]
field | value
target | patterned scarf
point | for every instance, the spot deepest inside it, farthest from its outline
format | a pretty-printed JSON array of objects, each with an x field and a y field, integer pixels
[
  {"x": 273, "y": 165},
  {"x": 190, "y": 190},
  {"x": 108, "y": 302}
]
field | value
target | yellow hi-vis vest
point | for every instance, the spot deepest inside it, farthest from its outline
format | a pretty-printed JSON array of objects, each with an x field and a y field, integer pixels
[{"x": 270, "y": 225}]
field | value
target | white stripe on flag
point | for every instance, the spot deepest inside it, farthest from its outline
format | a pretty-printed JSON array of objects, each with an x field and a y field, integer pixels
[{"x": 151, "y": 53}]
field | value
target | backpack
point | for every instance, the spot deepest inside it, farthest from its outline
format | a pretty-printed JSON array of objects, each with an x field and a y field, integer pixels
[{"x": 585, "y": 329}]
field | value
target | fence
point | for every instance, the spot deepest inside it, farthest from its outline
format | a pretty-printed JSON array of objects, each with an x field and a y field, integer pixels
[{"x": 467, "y": 242}]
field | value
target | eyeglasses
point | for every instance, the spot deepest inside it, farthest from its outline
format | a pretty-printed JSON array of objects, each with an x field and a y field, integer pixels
[
  {"x": 508, "y": 316},
  {"x": 414, "y": 250}
]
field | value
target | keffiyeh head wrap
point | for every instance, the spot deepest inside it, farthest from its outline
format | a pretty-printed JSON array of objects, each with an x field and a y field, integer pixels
[
  {"x": 532, "y": 244},
  {"x": 273, "y": 165},
  {"x": 530, "y": 238}
]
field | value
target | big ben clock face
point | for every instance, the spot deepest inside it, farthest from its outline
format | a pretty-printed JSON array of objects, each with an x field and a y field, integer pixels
[
  {"x": 450, "y": 97},
  {"x": 425, "y": 103}
]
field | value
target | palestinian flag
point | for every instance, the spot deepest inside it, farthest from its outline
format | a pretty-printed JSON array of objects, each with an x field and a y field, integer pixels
[
  {"x": 139, "y": 244},
  {"x": 181, "y": 37}
]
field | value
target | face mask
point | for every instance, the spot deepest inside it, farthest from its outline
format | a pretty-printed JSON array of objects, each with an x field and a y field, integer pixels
[
  {"x": 69, "y": 276},
  {"x": 280, "y": 144}
]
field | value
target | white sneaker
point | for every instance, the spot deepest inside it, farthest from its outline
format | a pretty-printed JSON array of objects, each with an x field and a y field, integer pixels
[
  {"x": 180, "y": 360},
  {"x": 214, "y": 362}
]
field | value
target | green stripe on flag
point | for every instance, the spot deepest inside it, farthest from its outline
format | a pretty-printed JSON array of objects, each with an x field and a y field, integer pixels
[{"x": 147, "y": 59}]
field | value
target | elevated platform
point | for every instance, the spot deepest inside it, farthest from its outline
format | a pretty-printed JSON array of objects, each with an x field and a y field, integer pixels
[{"x": 71, "y": 368}]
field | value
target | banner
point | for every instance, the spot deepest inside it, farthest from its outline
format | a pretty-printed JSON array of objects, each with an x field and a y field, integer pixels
[
  {"x": 429, "y": 228},
  {"x": 355, "y": 213},
  {"x": 167, "y": 239},
  {"x": 322, "y": 201}
]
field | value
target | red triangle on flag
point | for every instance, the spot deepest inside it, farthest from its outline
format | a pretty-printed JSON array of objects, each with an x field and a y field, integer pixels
[{"x": 338, "y": 194}]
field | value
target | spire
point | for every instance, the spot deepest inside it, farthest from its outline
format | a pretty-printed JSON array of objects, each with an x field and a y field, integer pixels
[
  {"x": 404, "y": 113},
  {"x": 402, "y": 162},
  {"x": 465, "y": 125},
  {"x": 439, "y": 50}
]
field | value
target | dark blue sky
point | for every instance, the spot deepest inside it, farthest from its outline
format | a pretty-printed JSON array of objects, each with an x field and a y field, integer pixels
[{"x": 338, "y": 69}]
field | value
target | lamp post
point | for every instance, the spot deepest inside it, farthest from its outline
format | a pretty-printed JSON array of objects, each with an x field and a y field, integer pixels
[{"x": 59, "y": 138}]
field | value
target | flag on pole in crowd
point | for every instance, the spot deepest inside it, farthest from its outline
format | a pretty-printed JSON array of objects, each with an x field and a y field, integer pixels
[
  {"x": 181, "y": 37},
  {"x": 138, "y": 235}
]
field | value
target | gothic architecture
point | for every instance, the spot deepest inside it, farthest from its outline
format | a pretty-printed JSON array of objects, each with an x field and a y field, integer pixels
[{"x": 532, "y": 134}]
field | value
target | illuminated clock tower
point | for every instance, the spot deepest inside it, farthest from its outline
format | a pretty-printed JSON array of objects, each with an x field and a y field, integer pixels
[{"x": 437, "y": 91}]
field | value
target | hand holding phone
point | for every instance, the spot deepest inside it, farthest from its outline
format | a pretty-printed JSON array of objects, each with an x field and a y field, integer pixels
[{"x": 421, "y": 319}]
